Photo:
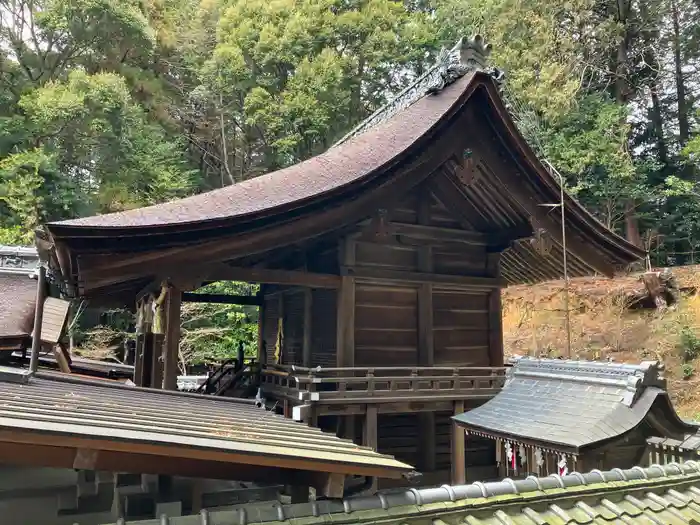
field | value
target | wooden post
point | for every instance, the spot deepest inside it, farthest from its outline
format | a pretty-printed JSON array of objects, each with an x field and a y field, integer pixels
[
  {"x": 496, "y": 357},
  {"x": 156, "y": 360},
  {"x": 171, "y": 345},
  {"x": 426, "y": 346},
  {"x": 38, "y": 319},
  {"x": 370, "y": 437},
  {"x": 459, "y": 470},
  {"x": 262, "y": 358},
  {"x": 138, "y": 359},
  {"x": 345, "y": 356},
  {"x": 307, "y": 341},
  {"x": 345, "y": 322}
]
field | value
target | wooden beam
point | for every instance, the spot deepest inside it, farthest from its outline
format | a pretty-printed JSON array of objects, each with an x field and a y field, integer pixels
[
  {"x": 216, "y": 298},
  {"x": 456, "y": 281},
  {"x": 439, "y": 234},
  {"x": 425, "y": 234},
  {"x": 270, "y": 276},
  {"x": 459, "y": 464},
  {"x": 38, "y": 318}
]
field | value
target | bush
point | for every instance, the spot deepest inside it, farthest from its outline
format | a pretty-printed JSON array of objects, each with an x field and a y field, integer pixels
[
  {"x": 689, "y": 344},
  {"x": 688, "y": 371}
]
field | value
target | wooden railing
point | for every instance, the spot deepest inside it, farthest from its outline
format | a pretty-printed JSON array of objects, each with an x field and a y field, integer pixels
[{"x": 381, "y": 384}]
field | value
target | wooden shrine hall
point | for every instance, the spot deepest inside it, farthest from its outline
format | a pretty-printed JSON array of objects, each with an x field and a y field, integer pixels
[{"x": 380, "y": 263}]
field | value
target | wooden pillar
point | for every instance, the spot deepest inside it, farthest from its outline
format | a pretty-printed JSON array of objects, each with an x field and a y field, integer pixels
[
  {"x": 370, "y": 436},
  {"x": 156, "y": 360},
  {"x": 307, "y": 341},
  {"x": 496, "y": 357},
  {"x": 459, "y": 467},
  {"x": 138, "y": 359},
  {"x": 38, "y": 319},
  {"x": 345, "y": 351},
  {"x": 278, "y": 350},
  {"x": 262, "y": 358},
  {"x": 345, "y": 321},
  {"x": 171, "y": 344},
  {"x": 147, "y": 369},
  {"x": 426, "y": 338}
]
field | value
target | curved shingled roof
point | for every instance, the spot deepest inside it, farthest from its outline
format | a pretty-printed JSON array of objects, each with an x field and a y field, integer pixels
[
  {"x": 379, "y": 152},
  {"x": 351, "y": 162}
]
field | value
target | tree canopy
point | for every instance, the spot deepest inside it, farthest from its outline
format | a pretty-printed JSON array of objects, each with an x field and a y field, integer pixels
[{"x": 107, "y": 105}]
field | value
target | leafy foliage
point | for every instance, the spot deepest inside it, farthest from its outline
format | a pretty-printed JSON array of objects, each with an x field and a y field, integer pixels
[{"x": 107, "y": 105}]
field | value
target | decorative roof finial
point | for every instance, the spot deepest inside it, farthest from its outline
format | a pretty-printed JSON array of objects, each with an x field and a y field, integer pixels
[
  {"x": 474, "y": 52},
  {"x": 451, "y": 64}
]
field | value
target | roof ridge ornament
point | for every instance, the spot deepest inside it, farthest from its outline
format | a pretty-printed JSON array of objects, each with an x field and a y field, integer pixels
[{"x": 468, "y": 55}]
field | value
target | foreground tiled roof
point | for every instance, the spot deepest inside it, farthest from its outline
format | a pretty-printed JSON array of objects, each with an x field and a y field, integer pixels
[
  {"x": 659, "y": 495},
  {"x": 572, "y": 403},
  {"x": 104, "y": 416}
]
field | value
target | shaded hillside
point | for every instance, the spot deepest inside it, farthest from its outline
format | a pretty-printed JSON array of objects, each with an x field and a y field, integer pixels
[{"x": 603, "y": 327}]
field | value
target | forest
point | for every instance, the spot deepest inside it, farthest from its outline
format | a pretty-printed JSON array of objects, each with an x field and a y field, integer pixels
[{"x": 107, "y": 105}]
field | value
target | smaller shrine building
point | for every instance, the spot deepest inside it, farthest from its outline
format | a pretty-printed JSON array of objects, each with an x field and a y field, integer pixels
[{"x": 556, "y": 416}]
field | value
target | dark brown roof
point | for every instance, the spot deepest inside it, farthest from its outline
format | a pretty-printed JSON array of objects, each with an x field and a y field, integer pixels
[
  {"x": 505, "y": 196},
  {"x": 17, "y": 296},
  {"x": 340, "y": 166},
  {"x": 104, "y": 416}
]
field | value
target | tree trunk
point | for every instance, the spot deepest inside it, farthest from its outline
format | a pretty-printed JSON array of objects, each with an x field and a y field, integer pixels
[
  {"x": 683, "y": 121},
  {"x": 622, "y": 91}
]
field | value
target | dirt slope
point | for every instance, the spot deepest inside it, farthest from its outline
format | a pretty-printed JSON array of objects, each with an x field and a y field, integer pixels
[{"x": 602, "y": 328}]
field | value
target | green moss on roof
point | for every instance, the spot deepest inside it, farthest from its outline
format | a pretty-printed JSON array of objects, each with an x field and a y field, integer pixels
[{"x": 657, "y": 495}]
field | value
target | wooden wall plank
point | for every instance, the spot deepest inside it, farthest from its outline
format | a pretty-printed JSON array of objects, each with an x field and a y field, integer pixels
[{"x": 324, "y": 329}]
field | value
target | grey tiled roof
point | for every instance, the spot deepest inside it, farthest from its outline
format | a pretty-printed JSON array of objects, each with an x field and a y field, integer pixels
[
  {"x": 667, "y": 494},
  {"x": 571, "y": 404}
]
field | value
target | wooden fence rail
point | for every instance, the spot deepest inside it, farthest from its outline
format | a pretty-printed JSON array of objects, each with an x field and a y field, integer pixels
[{"x": 381, "y": 384}]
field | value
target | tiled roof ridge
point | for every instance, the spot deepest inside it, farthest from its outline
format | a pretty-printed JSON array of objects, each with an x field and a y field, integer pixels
[
  {"x": 18, "y": 260},
  {"x": 450, "y": 65},
  {"x": 448, "y": 498},
  {"x": 633, "y": 378},
  {"x": 647, "y": 373}
]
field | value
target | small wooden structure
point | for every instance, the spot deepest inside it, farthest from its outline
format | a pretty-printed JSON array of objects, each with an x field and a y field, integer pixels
[
  {"x": 381, "y": 263},
  {"x": 555, "y": 415}
]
